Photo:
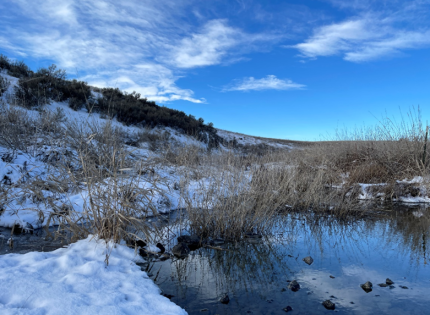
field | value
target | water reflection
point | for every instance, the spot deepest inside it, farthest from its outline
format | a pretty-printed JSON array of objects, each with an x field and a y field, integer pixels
[{"x": 346, "y": 254}]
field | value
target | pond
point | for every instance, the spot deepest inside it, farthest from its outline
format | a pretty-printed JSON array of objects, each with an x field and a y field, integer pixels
[{"x": 256, "y": 274}]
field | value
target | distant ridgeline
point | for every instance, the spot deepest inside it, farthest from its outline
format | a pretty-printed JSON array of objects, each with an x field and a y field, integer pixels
[{"x": 38, "y": 88}]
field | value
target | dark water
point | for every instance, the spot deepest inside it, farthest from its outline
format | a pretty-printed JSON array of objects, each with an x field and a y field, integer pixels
[
  {"x": 27, "y": 242},
  {"x": 255, "y": 274}
]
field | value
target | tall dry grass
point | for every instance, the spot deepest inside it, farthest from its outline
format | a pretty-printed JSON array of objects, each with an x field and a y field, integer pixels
[{"x": 82, "y": 158}]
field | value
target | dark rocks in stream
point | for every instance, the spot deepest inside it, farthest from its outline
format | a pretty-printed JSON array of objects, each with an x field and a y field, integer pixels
[
  {"x": 181, "y": 250},
  {"x": 287, "y": 309},
  {"x": 192, "y": 241},
  {"x": 138, "y": 243},
  {"x": 161, "y": 248},
  {"x": 309, "y": 260},
  {"x": 143, "y": 252},
  {"x": 294, "y": 286},
  {"x": 17, "y": 229},
  {"x": 224, "y": 299},
  {"x": 383, "y": 285},
  {"x": 169, "y": 296},
  {"x": 329, "y": 305},
  {"x": 389, "y": 281},
  {"x": 367, "y": 287}
]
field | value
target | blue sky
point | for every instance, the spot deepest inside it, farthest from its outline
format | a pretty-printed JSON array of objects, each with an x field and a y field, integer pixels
[{"x": 282, "y": 69}]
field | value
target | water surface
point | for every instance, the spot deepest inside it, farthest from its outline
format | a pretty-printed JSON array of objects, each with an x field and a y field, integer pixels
[{"x": 255, "y": 274}]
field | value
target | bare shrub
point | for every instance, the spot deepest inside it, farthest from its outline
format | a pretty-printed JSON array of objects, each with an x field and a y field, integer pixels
[{"x": 4, "y": 85}]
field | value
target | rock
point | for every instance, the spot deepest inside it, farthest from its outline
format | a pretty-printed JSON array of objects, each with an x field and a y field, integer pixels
[
  {"x": 309, "y": 260},
  {"x": 224, "y": 299},
  {"x": 283, "y": 290},
  {"x": 287, "y": 309},
  {"x": 142, "y": 252},
  {"x": 17, "y": 229},
  {"x": 181, "y": 250},
  {"x": 332, "y": 277},
  {"x": 193, "y": 241},
  {"x": 367, "y": 287},
  {"x": 294, "y": 286},
  {"x": 389, "y": 281},
  {"x": 169, "y": 296},
  {"x": 403, "y": 287},
  {"x": 188, "y": 239},
  {"x": 383, "y": 285},
  {"x": 329, "y": 305},
  {"x": 138, "y": 243},
  {"x": 161, "y": 248},
  {"x": 392, "y": 286},
  {"x": 204, "y": 310}
]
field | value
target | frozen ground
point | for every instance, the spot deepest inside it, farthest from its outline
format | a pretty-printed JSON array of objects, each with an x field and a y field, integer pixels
[{"x": 76, "y": 280}]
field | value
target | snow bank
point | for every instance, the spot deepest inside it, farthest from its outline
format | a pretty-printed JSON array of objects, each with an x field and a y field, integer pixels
[{"x": 76, "y": 280}]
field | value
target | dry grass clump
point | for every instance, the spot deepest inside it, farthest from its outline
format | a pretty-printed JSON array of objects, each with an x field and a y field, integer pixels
[
  {"x": 116, "y": 200},
  {"x": 91, "y": 160}
]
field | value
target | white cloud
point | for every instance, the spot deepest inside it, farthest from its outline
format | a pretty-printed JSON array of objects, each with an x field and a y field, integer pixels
[
  {"x": 213, "y": 43},
  {"x": 332, "y": 39},
  {"x": 208, "y": 47},
  {"x": 366, "y": 38},
  {"x": 270, "y": 82},
  {"x": 140, "y": 45}
]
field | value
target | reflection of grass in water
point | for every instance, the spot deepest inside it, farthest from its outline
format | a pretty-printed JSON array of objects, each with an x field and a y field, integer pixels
[
  {"x": 254, "y": 267},
  {"x": 410, "y": 229},
  {"x": 405, "y": 229},
  {"x": 244, "y": 266}
]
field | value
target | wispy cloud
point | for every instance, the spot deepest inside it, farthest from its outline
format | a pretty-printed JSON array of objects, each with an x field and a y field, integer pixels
[
  {"x": 372, "y": 34},
  {"x": 213, "y": 44},
  {"x": 361, "y": 40},
  {"x": 269, "y": 82},
  {"x": 135, "y": 45}
]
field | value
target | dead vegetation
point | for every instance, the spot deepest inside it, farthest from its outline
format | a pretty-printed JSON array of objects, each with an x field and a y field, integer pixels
[{"x": 227, "y": 192}]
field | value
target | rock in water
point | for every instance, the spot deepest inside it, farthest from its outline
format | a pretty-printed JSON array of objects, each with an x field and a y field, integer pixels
[
  {"x": 192, "y": 241},
  {"x": 383, "y": 285},
  {"x": 224, "y": 299},
  {"x": 329, "y": 305},
  {"x": 308, "y": 260},
  {"x": 294, "y": 286},
  {"x": 389, "y": 281},
  {"x": 181, "y": 250},
  {"x": 140, "y": 243},
  {"x": 142, "y": 252},
  {"x": 161, "y": 248},
  {"x": 367, "y": 287},
  {"x": 287, "y": 309}
]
